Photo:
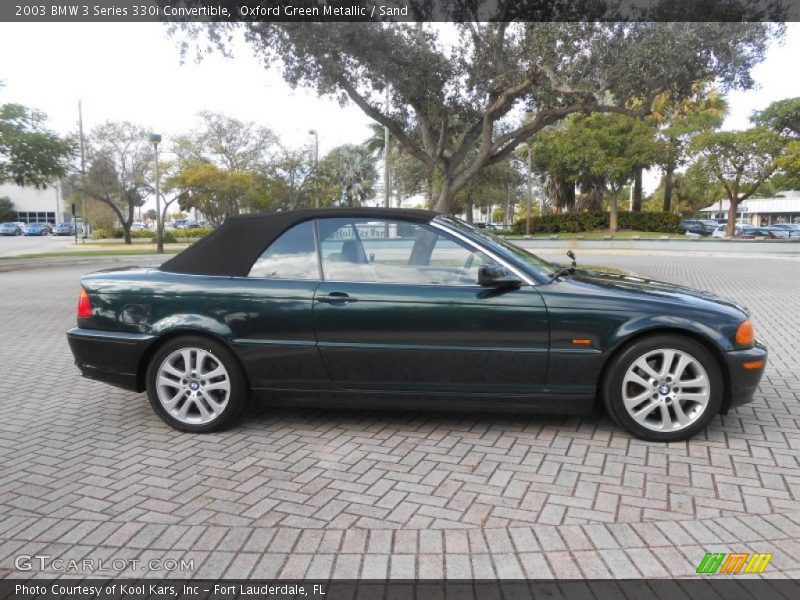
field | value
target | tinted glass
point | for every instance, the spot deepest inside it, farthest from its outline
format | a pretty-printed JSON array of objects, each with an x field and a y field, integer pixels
[
  {"x": 292, "y": 256},
  {"x": 499, "y": 246},
  {"x": 389, "y": 251}
]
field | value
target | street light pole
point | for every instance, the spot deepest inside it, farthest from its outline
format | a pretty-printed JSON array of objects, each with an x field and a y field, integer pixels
[
  {"x": 155, "y": 139},
  {"x": 316, "y": 164}
]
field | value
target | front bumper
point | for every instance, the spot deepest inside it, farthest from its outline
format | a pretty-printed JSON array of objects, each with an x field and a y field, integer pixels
[
  {"x": 110, "y": 356},
  {"x": 744, "y": 378}
]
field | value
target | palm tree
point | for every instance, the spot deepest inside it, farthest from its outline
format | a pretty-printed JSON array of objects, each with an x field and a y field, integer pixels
[{"x": 355, "y": 170}]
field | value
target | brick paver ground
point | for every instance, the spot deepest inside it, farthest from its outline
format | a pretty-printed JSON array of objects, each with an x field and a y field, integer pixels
[{"x": 89, "y": 471}]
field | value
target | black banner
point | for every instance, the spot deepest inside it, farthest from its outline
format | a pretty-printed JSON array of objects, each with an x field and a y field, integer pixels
[
  {"x": 397, "y": 10},
  {"x": 711, "y": 588}
]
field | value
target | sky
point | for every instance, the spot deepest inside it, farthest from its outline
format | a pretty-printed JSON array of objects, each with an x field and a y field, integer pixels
[{"x": 134, "y": 71}]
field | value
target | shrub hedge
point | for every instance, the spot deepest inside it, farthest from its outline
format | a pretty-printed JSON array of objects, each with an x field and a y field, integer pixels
[
  {"x": 170, "y": 236},
  {"x": 575, "y": 222}
]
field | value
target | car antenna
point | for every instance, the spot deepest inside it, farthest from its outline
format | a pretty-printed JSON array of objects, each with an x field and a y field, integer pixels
[{"x": 571, "y": 254}]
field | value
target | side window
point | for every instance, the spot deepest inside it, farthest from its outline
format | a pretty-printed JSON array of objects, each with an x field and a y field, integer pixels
[
  {"x": 395, "y": 252},
  {"x": 292, "y": 256}
]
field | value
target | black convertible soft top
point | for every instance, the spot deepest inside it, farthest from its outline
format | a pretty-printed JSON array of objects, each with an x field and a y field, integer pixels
[{"x": 232, "y": 249}]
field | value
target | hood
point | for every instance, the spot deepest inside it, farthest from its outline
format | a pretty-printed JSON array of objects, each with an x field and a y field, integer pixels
[{"x": 654, "y": 289}]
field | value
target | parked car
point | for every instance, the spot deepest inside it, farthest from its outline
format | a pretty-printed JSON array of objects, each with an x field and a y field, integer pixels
[
  {"x": 10, "y": 229},
  {"x": 702, "y": 227},
  {"x": 21, "y": 225},
  {"x": 179, "y": 223},
  {"x": 406, "y": 308},
  {"x": 38, "y": 229},
  {"x": 64, "y": 228},
  {"x": 740, "y": 231},
  {"x": 138, "y": 226}
]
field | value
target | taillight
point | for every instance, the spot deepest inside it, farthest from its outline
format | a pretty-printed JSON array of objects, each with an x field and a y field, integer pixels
[{"x": 84, "y": 305}]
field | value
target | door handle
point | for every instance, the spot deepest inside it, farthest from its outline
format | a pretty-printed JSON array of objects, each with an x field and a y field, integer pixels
[{"x": 337, "y": 298}]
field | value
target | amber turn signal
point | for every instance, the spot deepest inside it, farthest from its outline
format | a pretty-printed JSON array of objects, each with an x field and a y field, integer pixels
[
  {"x": 582, "y": 342},
  {"x": 753, "y": 364},
  {"x": 744, "y": 334}
]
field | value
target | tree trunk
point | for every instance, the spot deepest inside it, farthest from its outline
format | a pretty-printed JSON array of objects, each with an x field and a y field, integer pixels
[
  {"x": 469, "y": 209},
  {"x": 612, "y": 219},
  {"x": 668, "y": 188},
  {"x": 730, "y": 231},
  {"x": 637, "y": 189},
  {"x": 442, "y": 204}
]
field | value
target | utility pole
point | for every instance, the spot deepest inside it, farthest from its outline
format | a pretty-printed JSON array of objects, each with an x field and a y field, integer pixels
[
  {"x": 387, "y": 188},
  {"x": 530, "y": 193},
  {"x": 83, "y": 175},
  {"x": 316, "y": 165}
]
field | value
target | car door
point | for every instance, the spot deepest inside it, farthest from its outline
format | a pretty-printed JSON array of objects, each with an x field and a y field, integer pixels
[
  {"x": 269, "y": 313},
  {"x": 399, "y": 309}
]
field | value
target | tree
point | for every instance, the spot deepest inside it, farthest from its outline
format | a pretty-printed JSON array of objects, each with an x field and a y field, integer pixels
[
  {"x": 216, "y": 192},
  {"x": 354, "y": 169},
  {"x": 229, "y": 143},
  {"x": 118, "y": 156},
  {"x": 7, "y": 211},
  {"x": 740, "y": 161},
  {"x": 678, "y": 120},
  {"x": 461, "y": 98},
  {"x": 600, "y": 152},
  {"x": 30, "y": 154},
  {"x": 490, "y": 187},
  {"x": 782, "y": 117}
]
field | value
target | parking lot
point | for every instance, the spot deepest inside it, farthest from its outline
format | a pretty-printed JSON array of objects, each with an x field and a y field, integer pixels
[{"x": 89, "y": 471}]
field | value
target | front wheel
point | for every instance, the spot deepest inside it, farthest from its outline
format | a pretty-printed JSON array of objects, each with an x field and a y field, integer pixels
[
  {"x": 663, "y": 388},
  {"x": 196, "y": 384}
]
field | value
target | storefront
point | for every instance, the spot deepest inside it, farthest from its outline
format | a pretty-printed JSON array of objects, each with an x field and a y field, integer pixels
[{"x": 760, "y": 212}]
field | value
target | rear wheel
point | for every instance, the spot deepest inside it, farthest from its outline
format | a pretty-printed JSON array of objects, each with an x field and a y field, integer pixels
[
  {"x": 196, "y": 384},
  {"x": 663, "y": 388}
]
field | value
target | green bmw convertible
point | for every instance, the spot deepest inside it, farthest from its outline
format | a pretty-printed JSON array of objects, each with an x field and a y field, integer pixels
[{"x": 408, "y": 309}]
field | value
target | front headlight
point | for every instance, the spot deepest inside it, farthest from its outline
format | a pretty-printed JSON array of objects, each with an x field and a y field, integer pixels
[{"x": 744, "y": 334}]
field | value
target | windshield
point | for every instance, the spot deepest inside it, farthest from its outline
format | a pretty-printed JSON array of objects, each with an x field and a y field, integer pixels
[{"x": 501, "y": 247}]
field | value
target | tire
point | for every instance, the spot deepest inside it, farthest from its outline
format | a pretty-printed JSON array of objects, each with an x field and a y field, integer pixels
[
  {"x": 206, "y": 395},
  {"x": 676, "y": 403}
]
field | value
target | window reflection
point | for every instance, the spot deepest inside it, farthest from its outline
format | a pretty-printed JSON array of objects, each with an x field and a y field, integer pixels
[
  {"x": 395, "y": 252},
  {"x": 292, "y": 256}
]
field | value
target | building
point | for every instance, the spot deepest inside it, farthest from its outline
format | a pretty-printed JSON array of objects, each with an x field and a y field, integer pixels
[
  {"x": 783, "y": 208},
  {"x": 34, "y": 205}
]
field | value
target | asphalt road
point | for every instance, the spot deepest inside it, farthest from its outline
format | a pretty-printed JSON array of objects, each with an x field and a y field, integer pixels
[{"x": 88, "y": 471}]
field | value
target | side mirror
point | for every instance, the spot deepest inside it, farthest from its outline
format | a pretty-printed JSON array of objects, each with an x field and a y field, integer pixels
[{"x": 498, "y": 277}]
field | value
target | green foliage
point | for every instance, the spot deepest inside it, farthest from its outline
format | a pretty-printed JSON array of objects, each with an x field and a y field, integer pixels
[
  {"x": 576, "y": 222},
  {"x": 196, "y": 232},
  {"x": 30, "y": 154},
  {"x": 451, "y": 106},
  {"x": 7, "y": 210},
  {"x": 782, "y": 117}
]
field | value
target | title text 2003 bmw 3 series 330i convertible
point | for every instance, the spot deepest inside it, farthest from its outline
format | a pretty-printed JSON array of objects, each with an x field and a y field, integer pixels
[{"x": 408, "y": 309}]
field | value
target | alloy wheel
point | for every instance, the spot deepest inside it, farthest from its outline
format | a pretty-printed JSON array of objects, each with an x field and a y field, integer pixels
[
  {"x": 193, "y": 386},
  {"x": 666, "y": 390}
]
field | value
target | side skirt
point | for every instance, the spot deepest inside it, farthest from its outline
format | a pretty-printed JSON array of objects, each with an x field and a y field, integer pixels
[{"x": 532, "y": 404}]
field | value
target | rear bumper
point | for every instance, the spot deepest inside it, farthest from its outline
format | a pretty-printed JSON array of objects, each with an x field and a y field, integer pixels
[
  {"x": 745, "y": 374},
  {"x": 110, "y": 356}
]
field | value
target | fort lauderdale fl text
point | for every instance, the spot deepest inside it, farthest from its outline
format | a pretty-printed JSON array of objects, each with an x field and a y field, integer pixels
[{"x": 79, "y": 590}]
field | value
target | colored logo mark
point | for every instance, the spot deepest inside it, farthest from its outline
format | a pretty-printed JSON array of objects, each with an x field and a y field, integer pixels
[{"x": 733, "y": 563}]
